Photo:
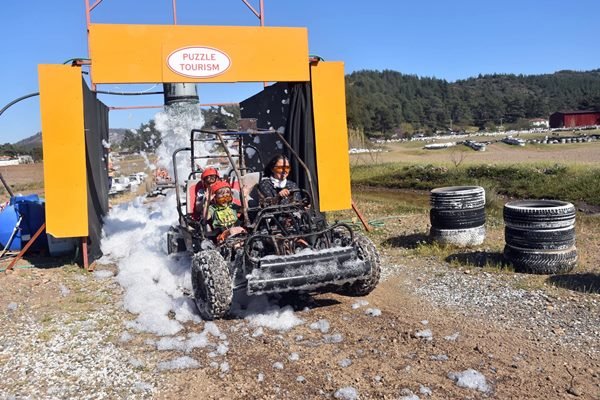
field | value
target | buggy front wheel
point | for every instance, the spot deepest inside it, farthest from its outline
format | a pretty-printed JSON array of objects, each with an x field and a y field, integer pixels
[
  {"x": 367, "y": 252},
  {"x": 212, "y": 284}
]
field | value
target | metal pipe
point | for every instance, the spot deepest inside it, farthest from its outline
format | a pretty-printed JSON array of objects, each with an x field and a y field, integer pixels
[
  {"x": 27, "y": 246},
  {"x": 306, "y": 169},
  {"x": 237, "y": 174},
  {"x": 177, "y": 196},
  {"x": 141, "y": 107},
  {"x": 262, "y": 13},
  {"x": 95, "y": 4},
  {"x": 133, "y": 107},
  {"x": 87, "y": 15},
  {"x": 6, "y": 107},
  {"x": 174, "y": 12},
  {"x": 252, "y": 8},
  {"x": 10, "y": 192},
  {"x": 12, "y": 236}
]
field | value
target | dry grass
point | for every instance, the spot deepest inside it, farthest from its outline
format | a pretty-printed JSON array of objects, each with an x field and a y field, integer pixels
[{"x": 497, "y": 153}]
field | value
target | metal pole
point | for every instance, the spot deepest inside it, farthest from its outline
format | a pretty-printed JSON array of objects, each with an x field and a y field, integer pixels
[
  {"x": 6, "y": 186},
  {"x": 262, "y": 13},
  {"x": 174, "y": 12},
  {"x": 27, "y": 246}
]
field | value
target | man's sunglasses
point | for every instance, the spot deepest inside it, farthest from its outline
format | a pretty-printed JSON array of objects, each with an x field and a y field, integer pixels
[{"x": 282, "y": 168}]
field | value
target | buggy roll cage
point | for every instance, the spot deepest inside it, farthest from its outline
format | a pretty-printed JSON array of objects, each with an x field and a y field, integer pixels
[{"x": 224, "y": 136}]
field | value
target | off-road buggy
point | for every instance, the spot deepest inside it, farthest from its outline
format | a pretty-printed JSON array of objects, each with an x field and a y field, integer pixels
[{"x": 282, "y": 248}]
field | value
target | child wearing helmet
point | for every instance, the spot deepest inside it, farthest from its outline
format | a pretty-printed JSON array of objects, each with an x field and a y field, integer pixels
[
  {"x": 222, "y": 213},
  {"x": 208, "y": 177},
  {"x": 203, "y": 194}
]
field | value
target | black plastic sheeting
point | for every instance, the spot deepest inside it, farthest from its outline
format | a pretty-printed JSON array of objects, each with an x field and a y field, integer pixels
[
  {"x": 286, "y": 106},
  {"x": 96, "y": 159}
]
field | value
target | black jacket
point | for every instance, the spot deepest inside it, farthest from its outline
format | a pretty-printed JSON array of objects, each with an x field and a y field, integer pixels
[{"x": 268, "y": 190}]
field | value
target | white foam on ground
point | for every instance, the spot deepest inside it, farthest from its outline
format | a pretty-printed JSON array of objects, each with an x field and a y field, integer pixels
[
  {"x": 373, "y": 312},
  {"x": 155, "y": 284},
  {"x": 346, "y": 393},
  {"x": 359, "y": 304},
  {"x": 321, "y": 325},
  {"x": 135, "y": 240},
  {"x": 470, "y": 379},
  {"x": 178, "y": 363},
  {"x": 424, "y": 334}
]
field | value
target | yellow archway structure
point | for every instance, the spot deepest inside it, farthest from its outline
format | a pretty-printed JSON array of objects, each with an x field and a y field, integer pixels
[{"x": 191, "y": 54}]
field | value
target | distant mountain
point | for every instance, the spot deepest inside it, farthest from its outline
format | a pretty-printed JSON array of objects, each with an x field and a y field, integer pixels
[
  {"x": 389, "y": 101},
  {"x": 30, "y": 142},
  {"x": 115, "y": 136}
]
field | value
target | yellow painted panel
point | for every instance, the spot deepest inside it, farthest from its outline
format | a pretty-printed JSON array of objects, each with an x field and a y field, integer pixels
[
  {"x": 63, "y": 141},
  {"x": 331, "y": 135},
  {"x": 140, "y": 53}
]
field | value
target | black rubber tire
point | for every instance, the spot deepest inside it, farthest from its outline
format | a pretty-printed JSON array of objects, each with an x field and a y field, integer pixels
[
  {"x": 457, "y": 219},
  {"x": 459, "y": 237},
  {"x": 541, "y": 261},
  {"x": 546, "y": 239},
  {"x": 539, "y": 214},
  {"x": 457, "y": 197},
  {"x": 212, "y": 284},
  {"x": 366, "y": 251}
]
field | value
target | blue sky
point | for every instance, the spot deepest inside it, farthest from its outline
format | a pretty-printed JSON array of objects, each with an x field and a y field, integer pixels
[{"x": 437, "y": 38}]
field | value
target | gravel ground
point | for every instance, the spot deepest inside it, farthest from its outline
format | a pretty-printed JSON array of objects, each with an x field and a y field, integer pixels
[
  {"x": 63, "y": 334},
  {"x": 57, "y": 351},
  {"x": 569, "y": 319}
]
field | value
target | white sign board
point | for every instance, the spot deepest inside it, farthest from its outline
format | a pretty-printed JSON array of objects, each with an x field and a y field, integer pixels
[{"x": 198, "y": 62}]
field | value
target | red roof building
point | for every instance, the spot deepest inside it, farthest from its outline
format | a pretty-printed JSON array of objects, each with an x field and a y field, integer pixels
[{"x": 572, "y": 119}]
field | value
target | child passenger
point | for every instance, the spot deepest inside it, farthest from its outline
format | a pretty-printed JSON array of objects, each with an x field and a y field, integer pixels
[{"x": 222, "y": 213}]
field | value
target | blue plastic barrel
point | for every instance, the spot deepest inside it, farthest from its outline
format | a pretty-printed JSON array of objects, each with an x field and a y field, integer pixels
[{"x": 31, "y": 208}]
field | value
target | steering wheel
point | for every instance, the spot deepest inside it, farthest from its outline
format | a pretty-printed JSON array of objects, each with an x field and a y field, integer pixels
[{"x": 305, "y": 198}]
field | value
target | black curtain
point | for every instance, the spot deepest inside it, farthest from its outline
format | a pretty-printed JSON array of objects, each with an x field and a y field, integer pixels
[
  {"x": 286, "y": 106},
  {"x": 96, "y": 134}
]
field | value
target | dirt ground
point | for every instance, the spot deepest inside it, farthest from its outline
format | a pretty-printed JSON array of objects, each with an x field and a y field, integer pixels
[
  {"x": 405, "y": 339},
  {"x": 23, "y": 179},
  {"x": 438, "y": 312}
]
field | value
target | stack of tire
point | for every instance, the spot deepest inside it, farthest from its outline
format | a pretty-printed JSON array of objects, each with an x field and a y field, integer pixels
[
  {"x": 540, "y": 236},
  {"x": 458, "y": 215}
]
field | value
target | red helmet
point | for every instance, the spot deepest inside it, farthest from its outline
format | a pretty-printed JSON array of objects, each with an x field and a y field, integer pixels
[
  {"x": 208, "y": 172},
  {"x": 219, "y": 185}
]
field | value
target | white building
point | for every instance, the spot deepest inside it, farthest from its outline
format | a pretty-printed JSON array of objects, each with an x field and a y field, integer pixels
[{"x": 539, "y": 123}]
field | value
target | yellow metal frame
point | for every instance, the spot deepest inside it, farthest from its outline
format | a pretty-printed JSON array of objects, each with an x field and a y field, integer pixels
[
  {"x": 138, "y": 54},
  {"x": 331, "y": 135},
  {"x": 63, "y": 141}
]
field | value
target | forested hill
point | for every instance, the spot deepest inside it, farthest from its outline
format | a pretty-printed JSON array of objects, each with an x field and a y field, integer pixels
[{"x": 388, "y": 102}]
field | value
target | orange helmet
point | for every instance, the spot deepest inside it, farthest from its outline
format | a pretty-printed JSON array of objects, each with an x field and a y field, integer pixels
[
  {"x": 224, "y": 197},
  {"x": 219, "y": 185},
  {"x": 208, "y": 172}
]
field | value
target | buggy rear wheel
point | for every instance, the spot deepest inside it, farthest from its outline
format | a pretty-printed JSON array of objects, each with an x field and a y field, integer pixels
[
  {"x": 212, "y": 284},
  {"x": 368, "y": 252}
]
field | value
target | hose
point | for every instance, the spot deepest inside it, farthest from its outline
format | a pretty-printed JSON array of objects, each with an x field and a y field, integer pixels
[
  {"x": 70, "y": 60},
  {"x": 12, "y": 236},
  {"x": 6, "y": 107},
  {"x": 128, "y": 93},
  {"x": 377, "y": 223},
  {"x": 28, "y": 266}
]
